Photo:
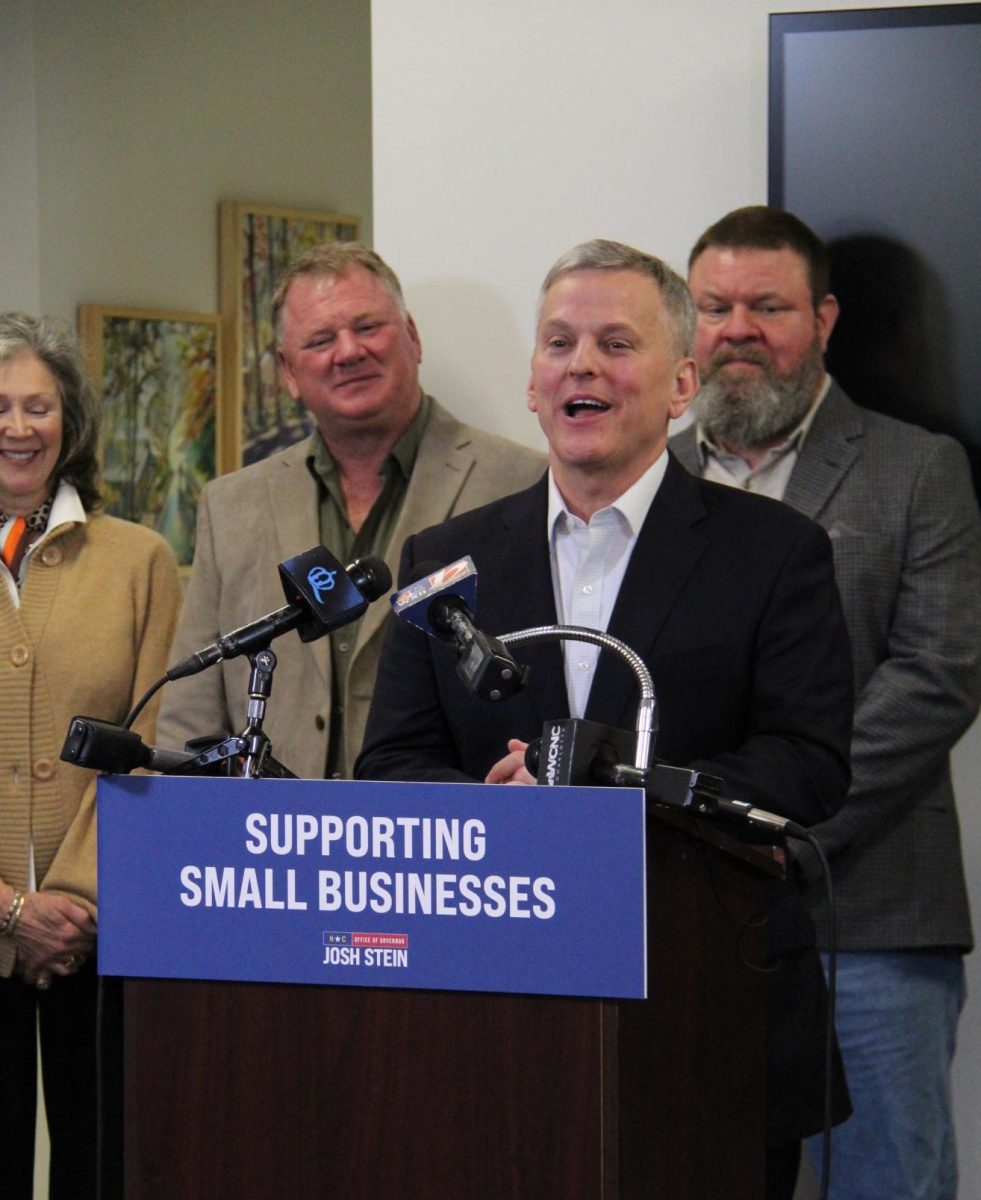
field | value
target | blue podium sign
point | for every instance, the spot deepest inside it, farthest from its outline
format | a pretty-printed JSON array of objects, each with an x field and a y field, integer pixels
[{"x": 465, "y": 887}]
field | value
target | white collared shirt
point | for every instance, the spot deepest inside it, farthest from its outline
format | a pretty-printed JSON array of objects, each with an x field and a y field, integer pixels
[{"x": 589, "y": 561}]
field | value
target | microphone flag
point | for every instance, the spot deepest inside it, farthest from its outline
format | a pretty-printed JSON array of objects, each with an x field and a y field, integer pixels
[
  {"x": 412, "y": 603},
  {"x": 319, "y": 585}
]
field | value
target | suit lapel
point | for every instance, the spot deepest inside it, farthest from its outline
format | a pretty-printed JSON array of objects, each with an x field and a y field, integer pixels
[
  {"x": 441, "y": 469},
  {"x": 684, "y": 446},
  {"x": 668, "y": 548},
  {"x": 830, "y": 449},
  {"x": 296, "y": 521},
  {"x": 527, "y": 600}
]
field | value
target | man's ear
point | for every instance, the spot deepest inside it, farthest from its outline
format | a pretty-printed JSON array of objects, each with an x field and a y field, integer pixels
[
  {"x": 827, "y": 316},
  {"x": 414, "y": 336},
  {"x": 531, "y": 394},
  {"x": 287, "y": 374},
  {"x": 685, "y": 386}
]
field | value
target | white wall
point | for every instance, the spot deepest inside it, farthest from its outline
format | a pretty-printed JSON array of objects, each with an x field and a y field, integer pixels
[{"x": 506, "y": 132}]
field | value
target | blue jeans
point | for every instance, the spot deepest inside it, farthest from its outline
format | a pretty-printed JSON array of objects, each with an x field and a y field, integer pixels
[{"x": 897, "y": 1021}]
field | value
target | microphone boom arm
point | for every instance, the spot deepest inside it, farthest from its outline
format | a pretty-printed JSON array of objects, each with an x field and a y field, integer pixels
[{"x": 647, "y": 707}]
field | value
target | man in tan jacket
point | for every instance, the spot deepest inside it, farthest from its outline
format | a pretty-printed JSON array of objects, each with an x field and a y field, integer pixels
[{"x": 385, "y": 461}]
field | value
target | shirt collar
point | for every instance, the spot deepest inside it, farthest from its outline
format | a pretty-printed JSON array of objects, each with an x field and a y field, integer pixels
[
  {"x": 67, "y": 508},
  {"x": 632, "y": 505},
  {"x": 402, "y": 455}
]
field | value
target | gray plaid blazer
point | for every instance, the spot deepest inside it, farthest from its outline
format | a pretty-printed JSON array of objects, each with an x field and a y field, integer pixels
[{"x": 898, "y": 505}]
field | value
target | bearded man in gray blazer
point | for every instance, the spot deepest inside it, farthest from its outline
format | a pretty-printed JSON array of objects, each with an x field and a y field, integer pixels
[
  {"x": 385, "y": 460},
  {"x": 898, "y": 505}
]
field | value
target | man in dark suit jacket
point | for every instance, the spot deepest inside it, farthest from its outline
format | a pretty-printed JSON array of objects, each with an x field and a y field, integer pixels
[
  {"x": 898, "y": 506},
  {"x": 729, "y": 599}
]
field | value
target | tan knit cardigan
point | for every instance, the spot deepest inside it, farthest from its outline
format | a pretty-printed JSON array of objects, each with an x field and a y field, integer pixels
[{"x": 99, "y": 603}]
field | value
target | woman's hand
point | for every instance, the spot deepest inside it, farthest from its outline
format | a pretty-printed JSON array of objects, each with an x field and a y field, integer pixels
[
  {"x": 54, "y": 936},
  {"x": 511, "y": 769}
]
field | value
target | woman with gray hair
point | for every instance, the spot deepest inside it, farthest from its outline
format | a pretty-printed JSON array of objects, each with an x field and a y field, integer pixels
[{"x": 88, "y": 605}]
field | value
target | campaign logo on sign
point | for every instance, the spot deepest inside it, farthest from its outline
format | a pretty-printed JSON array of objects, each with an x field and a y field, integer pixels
[{"x": 350, "y": 949}]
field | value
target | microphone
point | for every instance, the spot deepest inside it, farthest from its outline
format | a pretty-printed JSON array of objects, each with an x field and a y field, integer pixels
[
  {"x": 573, "y": 752},
  {"x": 322, "y": 595},
  {"x": 107, "y": 747},
  {"x": 579, "y": 752},
  {"x": 441, "y": 604}
]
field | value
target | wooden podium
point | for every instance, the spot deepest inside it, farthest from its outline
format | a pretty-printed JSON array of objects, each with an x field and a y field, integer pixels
[{"x": 242, "y": 1091}]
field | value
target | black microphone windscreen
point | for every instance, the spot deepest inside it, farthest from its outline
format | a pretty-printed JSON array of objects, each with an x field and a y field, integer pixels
[
  {"x": 533, "y": 756},
  {"x": 371, "y": 576}
]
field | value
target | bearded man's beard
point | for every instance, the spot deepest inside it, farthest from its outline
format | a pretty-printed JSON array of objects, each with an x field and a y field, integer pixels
[{"x": 749, "y": 410}]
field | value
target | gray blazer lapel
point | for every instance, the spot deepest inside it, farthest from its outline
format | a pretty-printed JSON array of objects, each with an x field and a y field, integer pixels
[
  {"x": 830, "y": 449},
  {"x": 685, "y": 448}
]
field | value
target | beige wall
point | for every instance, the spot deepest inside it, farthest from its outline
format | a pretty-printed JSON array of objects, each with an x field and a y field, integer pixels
[{"x": 126, "y": 121}]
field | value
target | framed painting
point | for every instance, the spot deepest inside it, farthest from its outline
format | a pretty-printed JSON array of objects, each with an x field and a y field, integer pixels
[
  {"x": 161, "y": 439},
  {"x": 257, "y": 243}
]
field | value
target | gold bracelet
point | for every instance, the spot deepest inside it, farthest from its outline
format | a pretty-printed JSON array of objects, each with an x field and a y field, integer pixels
[
  {"x": 13, "y": 915},
  {"x": 6, "y": 920}
]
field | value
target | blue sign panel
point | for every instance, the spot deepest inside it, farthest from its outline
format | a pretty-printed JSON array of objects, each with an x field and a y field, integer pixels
[{"x": 462, "y": 887}]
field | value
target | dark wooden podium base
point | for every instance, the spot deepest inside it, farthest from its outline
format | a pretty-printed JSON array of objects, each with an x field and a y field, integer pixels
[{"x": 240, "y": 1091}]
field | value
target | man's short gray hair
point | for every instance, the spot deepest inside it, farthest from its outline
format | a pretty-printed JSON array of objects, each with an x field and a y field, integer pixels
[
  {"x": 601, "y": 254},
  {"x": 330, "y": 260}
]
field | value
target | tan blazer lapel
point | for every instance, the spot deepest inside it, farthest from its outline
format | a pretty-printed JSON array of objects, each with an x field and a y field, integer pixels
[
  {"x": 296, "y": 522},
  {"x": 442, "y": 465}
]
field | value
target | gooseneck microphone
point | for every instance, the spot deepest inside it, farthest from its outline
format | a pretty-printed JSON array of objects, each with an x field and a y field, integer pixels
[
  {"x": 646, "y": 724},
  {"x": 440, "y": 602},
  {"x": 322, "y": 596}
]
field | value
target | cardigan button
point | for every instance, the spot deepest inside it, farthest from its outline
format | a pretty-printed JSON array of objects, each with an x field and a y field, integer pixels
[
  {"x": 319, "y": 723},
  {"x": 43, "y": 769},
  {"x": 19, "y": 655},
  {"x": 51, "y": 556}
]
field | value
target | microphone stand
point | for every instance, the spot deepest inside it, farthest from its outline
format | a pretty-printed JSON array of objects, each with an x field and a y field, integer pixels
[
  {"x": 646, "y": 724},
  {"x": 252, "y": 745}
]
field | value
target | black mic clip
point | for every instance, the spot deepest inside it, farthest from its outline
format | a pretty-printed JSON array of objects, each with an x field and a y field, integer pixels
[
  {"x": 484, "y": 663},
  {"x": 583, "y": 753},
  {"x": 701, "y": 794},
  {"x": 440, "y": 601}
]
